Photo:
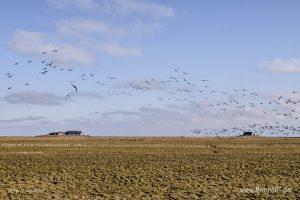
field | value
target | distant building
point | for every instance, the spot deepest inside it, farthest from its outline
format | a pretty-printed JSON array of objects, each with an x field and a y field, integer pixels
[
  {"x": 74, "y": 133},
  {"x": 67, "y": 133},
  {"x": 247, "y": 133},
  {"x": 57, "y": 133}
]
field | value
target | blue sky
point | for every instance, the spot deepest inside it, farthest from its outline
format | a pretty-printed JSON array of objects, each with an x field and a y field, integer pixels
[{"x": 233, "y": 44}]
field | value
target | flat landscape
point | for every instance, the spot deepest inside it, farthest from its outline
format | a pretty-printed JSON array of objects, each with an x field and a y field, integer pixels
[{"x": 149, "y": 168}]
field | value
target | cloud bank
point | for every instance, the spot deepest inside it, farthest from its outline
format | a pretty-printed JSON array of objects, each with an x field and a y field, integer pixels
[
  {"x": 29, "y": 118},
  {"x": 290, "y": 65},
  {"x": 35, "y": 98},
  {"x": 34, "y": 43},
  {"x": 117, "y": 7}
]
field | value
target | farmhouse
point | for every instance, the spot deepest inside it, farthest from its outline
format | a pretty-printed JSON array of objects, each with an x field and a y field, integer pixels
[
  {"x": 74, "y": 133},
  {"x": 67, "y": 133},
  {"x": 247, "y": 133},
  {"x": 57, "y": 133}
]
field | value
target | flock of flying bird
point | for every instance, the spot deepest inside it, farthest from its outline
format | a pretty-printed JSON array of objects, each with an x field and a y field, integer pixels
[{"x": 179, "y": 88}]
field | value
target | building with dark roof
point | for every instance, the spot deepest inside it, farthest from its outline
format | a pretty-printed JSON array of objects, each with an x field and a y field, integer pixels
[
  {"x": 67, "y": 133},
  {"x": 247, "y": 133}
]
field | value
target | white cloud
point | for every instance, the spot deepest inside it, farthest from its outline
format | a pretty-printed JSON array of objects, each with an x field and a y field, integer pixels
[
  {"x": 21, "y": 119},
  {"x": 79, "y": 28},
  {"x": 76, "y": 27},
  {"x": 117, "y": 7},
  {"x": 80, "y": 40},
  {"x": 291, "y": 65},
  {"x": 100, "y": 36},
  {"x": 84, "y": 5},
  {"x": 87, "y": 94},
  {"x": 118, "y": 50},
  {"x": 35, "y": 98},
  {"x": 126, "y": 7},
  {"x": 34, "y": 43}
]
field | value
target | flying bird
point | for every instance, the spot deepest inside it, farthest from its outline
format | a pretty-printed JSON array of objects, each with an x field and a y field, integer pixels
[{"x": 74, "y": 86}]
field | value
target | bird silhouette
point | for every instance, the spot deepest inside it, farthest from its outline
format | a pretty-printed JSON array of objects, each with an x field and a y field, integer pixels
[{"x": 75, "y": 87}]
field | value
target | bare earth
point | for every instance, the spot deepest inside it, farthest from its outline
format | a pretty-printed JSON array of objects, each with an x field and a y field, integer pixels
[{"x": 149, "y": 168}]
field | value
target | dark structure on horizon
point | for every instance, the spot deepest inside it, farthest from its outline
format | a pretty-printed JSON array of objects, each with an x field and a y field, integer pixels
[
  {"x": 67, "y": 133},
  {"x": 248, "y": 133}
]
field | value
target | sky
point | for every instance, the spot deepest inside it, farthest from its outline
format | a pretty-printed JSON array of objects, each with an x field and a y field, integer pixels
[{"x": 232, "y": 44}]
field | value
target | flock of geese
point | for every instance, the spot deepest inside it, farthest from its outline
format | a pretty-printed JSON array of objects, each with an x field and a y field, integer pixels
[{"x": 179, "y": 87}]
